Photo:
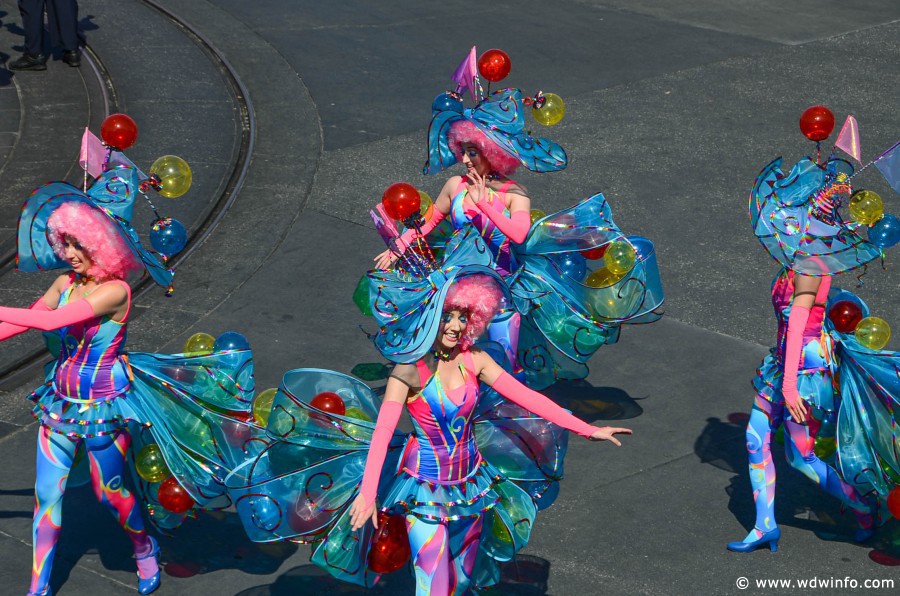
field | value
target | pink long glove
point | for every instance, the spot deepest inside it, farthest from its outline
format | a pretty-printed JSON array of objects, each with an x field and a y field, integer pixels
[
  {"x": 515, "y": 227},
  {"x": 792, "y": 353},
  {"x": 8, "y": 330},
  {"x": 74, "y": 312},
  {"x": 407, "y": 237},
  {"x": 388, "y": 416},
  {"x": 538, "y": 404}
]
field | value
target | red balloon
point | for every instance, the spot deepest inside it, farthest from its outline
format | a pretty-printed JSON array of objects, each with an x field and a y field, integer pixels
[
  {"x": 329, "y": 402},
  {"x": 389, "y": 550},
  {"x": 595, "y": 253},
  {"x": 118, "y": 131},
  {"x": 816, "y": 123},
  {"x": 845, "y": 315},
  {"x": 893, "y": 501},
  {"x": 236, "y": 432},
  {"x": 173, "y": 497},
  {"x": 401, "y": 200},
  {"x": 494, "y": 65}
]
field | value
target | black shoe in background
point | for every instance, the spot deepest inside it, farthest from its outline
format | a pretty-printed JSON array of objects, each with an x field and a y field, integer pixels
[
  {"x": 72, "y": 58},
  {"x": 28, "y": 62}
]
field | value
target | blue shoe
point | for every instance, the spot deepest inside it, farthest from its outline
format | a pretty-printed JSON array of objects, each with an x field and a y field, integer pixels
[
  {"x": 146, "y": 586},
  {"x": 771, "y": 538}
]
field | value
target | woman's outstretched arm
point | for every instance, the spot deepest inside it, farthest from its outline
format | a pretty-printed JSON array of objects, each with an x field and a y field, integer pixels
[{"x": 491, "y": 373}]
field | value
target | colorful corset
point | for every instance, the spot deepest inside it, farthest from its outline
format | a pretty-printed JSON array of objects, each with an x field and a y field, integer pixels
[
  {"x": 443, "y": 449},
  {"x": 504, "y": 261}
]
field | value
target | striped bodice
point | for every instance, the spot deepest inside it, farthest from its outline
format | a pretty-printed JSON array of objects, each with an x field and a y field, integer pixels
[
  {"x": 504, "y": 261},
  {"x": 89, "y": 365}
]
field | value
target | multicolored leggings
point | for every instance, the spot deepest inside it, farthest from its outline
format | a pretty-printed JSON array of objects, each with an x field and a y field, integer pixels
[
  {"x": 765, "y": 418},
  {"x": 443, "y": 554},
  {"x": 55, "y": 454}
]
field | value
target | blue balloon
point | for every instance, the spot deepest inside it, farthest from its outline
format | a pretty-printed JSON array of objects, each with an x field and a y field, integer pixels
[
  {"x": 885, "y": 232},
  {"x": 231, "y": 340},
  {"x": 642, "y": 247},
  {"x": 168, "y": 236},
  {"x": 572, "y": 264},
  {"x": 447, "y": 102}
]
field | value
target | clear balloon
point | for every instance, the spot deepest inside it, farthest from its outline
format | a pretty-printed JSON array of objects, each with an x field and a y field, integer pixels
[
  {"x": 174, "y": 176},
  {"x": 873, "y": 333},
  {"x": 262, "y": 405},
  {"x": 199, "y": 344},
  {"x": 494, "y": 65},
  {"x": 816, "y": 123},
  {"x": 552, "y": 110},
  {"x": 866, "y": 207},
  {"x": 328, "y": 401},
  {"x": 390, "y": 548},
  {"x": 537, "y": 214},
  {"x": 845, "y": 315},
  {"x": 168, "y": 236},
  {"x": 231, "y": 340},
  {"x": 571, "y": 264},
  {"x": 400, "y": 200},
  {"x": 885, "y": 232},
  {"x": 602, "y": 277},
  {"x": 150, "y": 464},
  {"x": 118, "y": 131},
  {"x": 447, "y": 102},
  {"x": 361, "y": 296},
  {"x": 173, "y": 497},
  {"x": 619, "y": 257}
]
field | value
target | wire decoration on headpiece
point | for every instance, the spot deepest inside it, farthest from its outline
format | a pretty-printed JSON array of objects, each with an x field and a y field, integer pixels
[{"x": 116, "y": 181}]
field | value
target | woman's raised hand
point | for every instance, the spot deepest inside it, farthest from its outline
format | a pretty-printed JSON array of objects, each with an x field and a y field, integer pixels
[
  {"x": 475, "y": 184},
  {"x": 360, "y": 514},
  {"x": 606, "y": 433}
]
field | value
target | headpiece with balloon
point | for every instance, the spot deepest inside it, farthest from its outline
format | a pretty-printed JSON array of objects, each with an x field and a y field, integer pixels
[
  {"x": 798, "y": 215},
  {"x": 170, "y": 176}
]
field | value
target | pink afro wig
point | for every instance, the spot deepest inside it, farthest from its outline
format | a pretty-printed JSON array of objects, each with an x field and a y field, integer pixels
[
  {"x": 110, "y": 256},
  {"x": 480, "y": 297},
  {"x": 463, "y": 131}
]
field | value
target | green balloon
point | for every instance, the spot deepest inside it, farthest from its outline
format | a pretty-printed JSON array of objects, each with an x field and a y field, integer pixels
[
  {"x": 150, "y": 464},
  {"x": 361, "y": 296}
]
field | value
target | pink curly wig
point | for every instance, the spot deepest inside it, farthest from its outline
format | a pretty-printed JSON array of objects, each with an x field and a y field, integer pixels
[
  {"x": 110, "y": 256},
  {"x": 479, "y": 296},
  {"x": 463, "y": 131}
]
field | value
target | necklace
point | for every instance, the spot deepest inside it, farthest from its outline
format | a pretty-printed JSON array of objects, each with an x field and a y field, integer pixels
[
  {"x": 440, "y": 354},
  {"x": 83, "y": 280}
]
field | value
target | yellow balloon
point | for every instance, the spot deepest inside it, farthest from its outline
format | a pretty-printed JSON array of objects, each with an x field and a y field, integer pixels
[
  {"x": 866, "y": 207},
  {"x": 358, "y": 414},
  {"x": 500, "y": 531},
  {"x": 537, "y": 214},
  {"x": 174, "y": 175},
  {"x": 262, "y": 405},
  {"x": 425, "y": 205},
  {"x": 199, "y": 344},
  {"x": 150, "y": 464},
  {"x": 551, "y": 112},
  {"x": 619, "y": 257},
  {"x": 873, "y": 333},
  {"x": 602, "y": 277}
]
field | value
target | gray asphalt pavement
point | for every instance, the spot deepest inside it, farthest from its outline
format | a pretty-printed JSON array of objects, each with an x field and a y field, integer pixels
[{"x": 672, "y": 109}]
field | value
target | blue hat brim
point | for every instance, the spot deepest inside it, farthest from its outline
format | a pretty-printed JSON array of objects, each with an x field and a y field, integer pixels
[
  {"x": 109, "y": 195},
  {"x": 501, "y": 119}
]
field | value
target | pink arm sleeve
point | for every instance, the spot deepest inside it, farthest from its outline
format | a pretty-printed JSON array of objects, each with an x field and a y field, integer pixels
[
  {"x": 8, "y": 330},
  {"x": 792, "y": 352},
  {"x": 538, "y": 404},
  {"x": 515, "y": 227},
  {"x": 388, "y": 416},
  {"x": 74, "y": 312},
  {"x": 407, "y": 237}
]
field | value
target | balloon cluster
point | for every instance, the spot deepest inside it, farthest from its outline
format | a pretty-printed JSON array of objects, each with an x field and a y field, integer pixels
[
  {"x": 203, "y": 344},
  {"x": 494, "y": 65},
  {"x": 169, "y": 175},
  {"x": 617, "y": 257},
  {"x": 867, "y": 208},
  {"x": 871, "y": 332},
  {"x": 151, "y": 466}
]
